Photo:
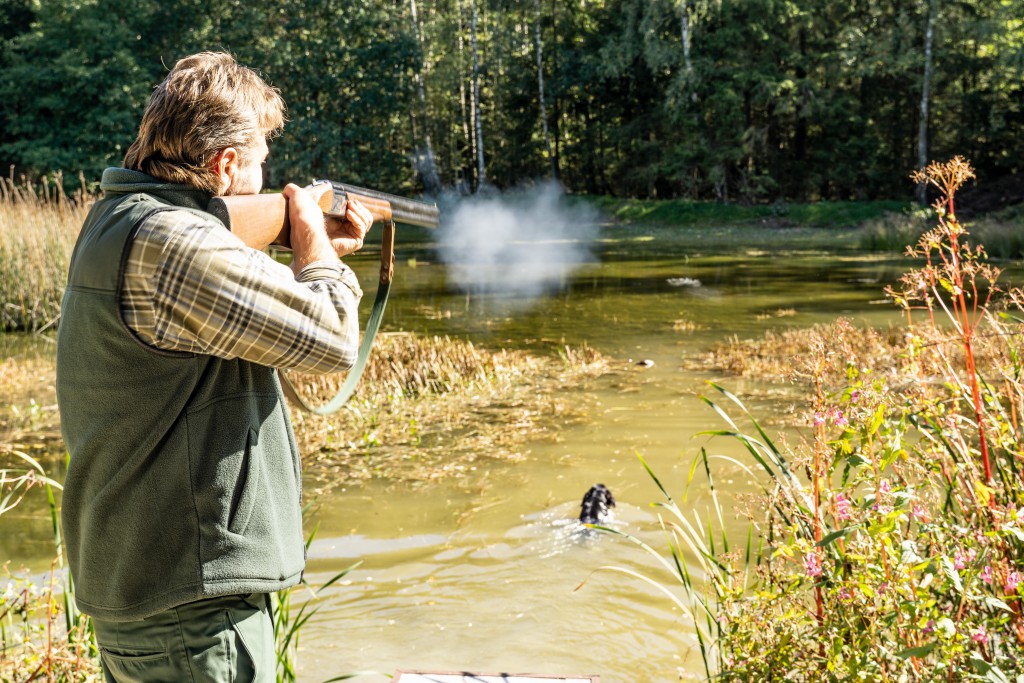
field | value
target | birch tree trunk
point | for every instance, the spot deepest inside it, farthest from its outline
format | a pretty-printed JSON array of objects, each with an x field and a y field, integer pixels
[
  {"x": 466, "y": 118},
  {"x": 481, "y": 175},
  {"x": 540, "y": 95},
  {"x": 922, "y": 126},
  {"x": 426, "y": 164},
  {"x": 684, "y": 18}
]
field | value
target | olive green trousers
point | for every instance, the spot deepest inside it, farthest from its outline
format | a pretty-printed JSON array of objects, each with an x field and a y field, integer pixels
[{"x": 221, "y": 640}]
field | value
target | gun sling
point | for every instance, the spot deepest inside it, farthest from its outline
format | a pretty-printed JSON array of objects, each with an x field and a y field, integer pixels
[
  {"x": 387, "y": 271},
  {"x": 373, "y": 325}
]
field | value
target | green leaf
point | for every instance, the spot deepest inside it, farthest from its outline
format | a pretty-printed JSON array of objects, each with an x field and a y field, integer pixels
[
  {"x": 877, "y": 419},
  {"x": 886, "y": 526},
  {"x": 997, "y": 603},
  {"x": 919, "y": 651},
  {"x": 856, "y": 460},
  {"x": 836, "y": 535},
  {"x": 951, "y": 573},
  {"x": 989, "y": 672}
]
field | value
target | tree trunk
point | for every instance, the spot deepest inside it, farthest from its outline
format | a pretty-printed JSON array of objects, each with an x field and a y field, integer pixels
[
  {"x": 466, "y": 117},
  {"x": 922, "y": 125},
  {"x": 425, "y": 161},
  {"x": 540, "y": 96},
  {"x": 684, "y": 16},
  {"x": 481, "y": 175}
]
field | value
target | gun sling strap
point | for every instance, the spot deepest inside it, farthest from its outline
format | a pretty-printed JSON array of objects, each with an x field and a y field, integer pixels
[{"x": 387, "y": 272}]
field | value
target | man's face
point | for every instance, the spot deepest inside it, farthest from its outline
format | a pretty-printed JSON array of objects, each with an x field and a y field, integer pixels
[{"x": 247, "y": 174}]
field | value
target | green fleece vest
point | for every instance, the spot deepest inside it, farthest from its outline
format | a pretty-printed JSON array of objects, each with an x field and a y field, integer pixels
[{"x": 184, "y": 476}]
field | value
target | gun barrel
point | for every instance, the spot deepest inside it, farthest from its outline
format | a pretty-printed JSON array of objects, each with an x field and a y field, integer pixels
[{"x": 407, "y": 211}]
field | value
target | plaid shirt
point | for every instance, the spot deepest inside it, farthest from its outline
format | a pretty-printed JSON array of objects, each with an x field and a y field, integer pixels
[{"x": 188, "y": 287}]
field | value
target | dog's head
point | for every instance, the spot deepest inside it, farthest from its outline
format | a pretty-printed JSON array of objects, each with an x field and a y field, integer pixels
[{"x": 595, "y": 505}]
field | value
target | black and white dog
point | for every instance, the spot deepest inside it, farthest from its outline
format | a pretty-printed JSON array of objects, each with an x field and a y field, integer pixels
[{"x": 596, "y": 505}]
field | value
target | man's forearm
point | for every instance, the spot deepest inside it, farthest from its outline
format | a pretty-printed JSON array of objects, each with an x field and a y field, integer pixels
[{"x": 200, "y": 290}]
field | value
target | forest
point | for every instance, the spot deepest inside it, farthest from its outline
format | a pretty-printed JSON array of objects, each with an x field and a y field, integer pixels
[{"x": 731, "y": 100}]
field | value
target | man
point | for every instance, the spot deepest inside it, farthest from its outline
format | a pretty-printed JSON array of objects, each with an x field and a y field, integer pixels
[{"x": 181, "y": 506}]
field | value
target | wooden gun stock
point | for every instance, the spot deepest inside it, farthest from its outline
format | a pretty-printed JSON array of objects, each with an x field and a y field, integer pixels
[{"x": 261, "y": 220}]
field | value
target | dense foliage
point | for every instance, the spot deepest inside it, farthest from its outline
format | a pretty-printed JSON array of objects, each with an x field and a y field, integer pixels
[{"x": 727, "y": 99}]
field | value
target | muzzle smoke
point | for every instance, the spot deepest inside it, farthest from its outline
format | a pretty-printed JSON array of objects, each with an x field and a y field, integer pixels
[{"x": 519, "y": 245}]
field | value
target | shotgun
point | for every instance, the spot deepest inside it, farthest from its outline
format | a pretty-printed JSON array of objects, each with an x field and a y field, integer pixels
[{"x": 261, "y": 220}]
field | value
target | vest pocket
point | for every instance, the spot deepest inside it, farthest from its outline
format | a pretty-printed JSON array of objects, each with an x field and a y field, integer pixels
[
  {"x": 246, "y": 486},
  {"x": 245, "y": 493}
]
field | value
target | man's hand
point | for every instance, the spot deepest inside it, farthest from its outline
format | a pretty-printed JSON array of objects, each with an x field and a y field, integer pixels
[
  {"x": 309, "y": 239},
  {"x": 347, "y": 235},
  {"x": 314, "y": 238}
]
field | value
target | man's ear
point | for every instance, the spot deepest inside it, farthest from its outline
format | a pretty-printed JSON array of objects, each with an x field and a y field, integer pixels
[{"x": 225, "y": 166}]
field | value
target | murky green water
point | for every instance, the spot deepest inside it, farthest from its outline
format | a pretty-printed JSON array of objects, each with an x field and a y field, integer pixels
[{"x": 480, "y": 572}]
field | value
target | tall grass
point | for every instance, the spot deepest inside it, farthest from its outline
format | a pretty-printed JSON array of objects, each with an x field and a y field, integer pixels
[
  {"x": 38, "y": 228},
  {"x": 43, "y": 637},
  {"x": 888, "y": 541}
]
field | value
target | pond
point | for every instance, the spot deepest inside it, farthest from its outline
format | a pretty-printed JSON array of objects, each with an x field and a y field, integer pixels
[{"x": 481, "y": 571}]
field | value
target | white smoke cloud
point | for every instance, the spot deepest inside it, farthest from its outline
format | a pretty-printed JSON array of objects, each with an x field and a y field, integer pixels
[{"x": 519, "y": 245}]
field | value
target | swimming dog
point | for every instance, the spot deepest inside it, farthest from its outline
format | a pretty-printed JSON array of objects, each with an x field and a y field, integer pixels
[{"x": 596, "y": 503}]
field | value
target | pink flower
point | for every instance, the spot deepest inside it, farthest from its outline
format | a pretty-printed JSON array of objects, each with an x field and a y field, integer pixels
[
  {"x": 980, "y": 636},
  {"x": 819, "y": 419},
  {"x": 986, "y": 574},
  {"x": 919, "y": 513},
  {"x": 844, "y": 510},
  {"x": 959, "y": 560},
  {"x": 883, "y": 486},
  {"x": 845, "y": 595},
  {"x": 962, "y": 559},
  {"x": 812, "y": 564},
  {"x": 1012, "y": 581},
  {"x": 854, "y": 396},
  {"x": 839, "y": 418},
  {"x": 930, "y": 628}
]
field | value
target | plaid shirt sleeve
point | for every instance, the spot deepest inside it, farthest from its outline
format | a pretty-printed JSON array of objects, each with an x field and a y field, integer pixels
[{"x": 193, "y": 286}]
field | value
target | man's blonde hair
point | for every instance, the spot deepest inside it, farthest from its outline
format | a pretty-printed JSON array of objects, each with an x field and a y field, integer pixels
[{"x": 208, "y": 102}]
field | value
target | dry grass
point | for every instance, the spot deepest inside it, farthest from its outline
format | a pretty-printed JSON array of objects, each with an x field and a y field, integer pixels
[
  {"x": 773, "y": 356},
  {"x": 38, "y": 228},
  {"x": 898, "y": 356},
  {"x": 433, "y": 407}
]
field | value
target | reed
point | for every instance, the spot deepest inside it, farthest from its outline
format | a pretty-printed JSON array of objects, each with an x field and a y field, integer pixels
[
  {"x": 887, "y": 542},
  {"x": 38, "y": 228},
  {"x": 288, "y": 622},
  {"x": 43, "y": 637}
]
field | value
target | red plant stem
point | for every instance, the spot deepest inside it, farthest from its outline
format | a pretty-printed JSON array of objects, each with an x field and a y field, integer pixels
[
  {"x": 976, "y": 396},
  {"x": 818, "y": 441},
  {"x": 967, "y": 331}
]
